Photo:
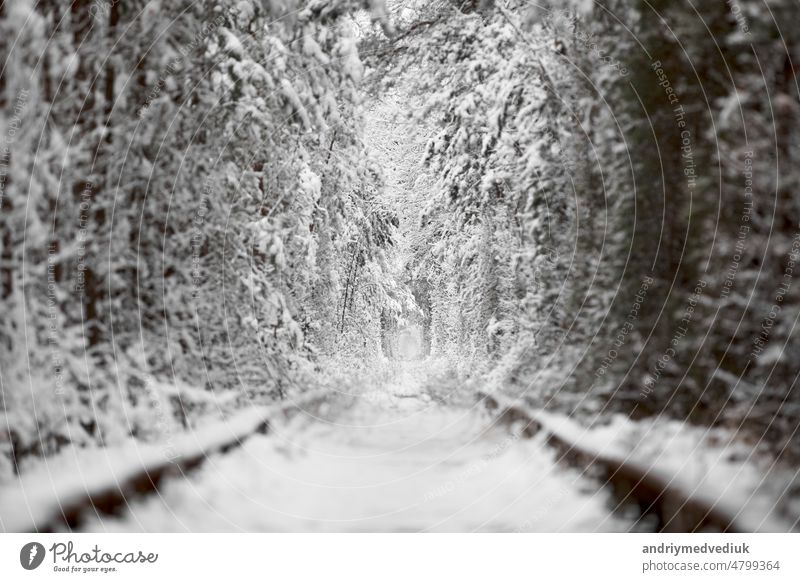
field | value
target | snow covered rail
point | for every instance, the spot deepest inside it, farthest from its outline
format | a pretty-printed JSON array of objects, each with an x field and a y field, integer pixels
[
  {"x": 676, "y": 506},
  {"x": 104, "y": 481}
]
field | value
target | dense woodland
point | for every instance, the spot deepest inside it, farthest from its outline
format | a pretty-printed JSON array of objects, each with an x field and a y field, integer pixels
[{"x": 205, "y": 204}]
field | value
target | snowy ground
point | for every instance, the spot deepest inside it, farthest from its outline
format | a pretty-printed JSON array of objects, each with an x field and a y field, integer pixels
[
  {"x": 397, "y": 449},
  {"x": 394, "y": 461}
]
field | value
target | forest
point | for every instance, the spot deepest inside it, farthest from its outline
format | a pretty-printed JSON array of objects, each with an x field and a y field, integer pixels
[{"x": 589, "y": 209}]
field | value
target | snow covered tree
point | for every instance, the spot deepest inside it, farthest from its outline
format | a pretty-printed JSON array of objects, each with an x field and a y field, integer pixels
[{"x": 186, "y": 189}]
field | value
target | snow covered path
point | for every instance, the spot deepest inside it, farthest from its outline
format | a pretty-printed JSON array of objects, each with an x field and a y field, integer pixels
[{"x": 391, "y": 460}]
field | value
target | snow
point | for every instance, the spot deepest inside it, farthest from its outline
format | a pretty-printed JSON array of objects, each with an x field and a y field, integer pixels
[
  {"x": 66, "y": 478},
  {"x": 393, "y": 460},
  {"x": 382, "y": 455},
  {"x": 309, "y": 245},
  {"x": 232, "y": 44},
  {"x": 708, "y": 464},
  {"x": 288, "y": 91}
]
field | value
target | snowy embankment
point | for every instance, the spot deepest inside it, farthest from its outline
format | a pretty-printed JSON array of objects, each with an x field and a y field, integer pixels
[
  {"x": 384, "y": 456},
  {"x": 65, "y": 489},
  {"x": 687, "y": 478}
]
